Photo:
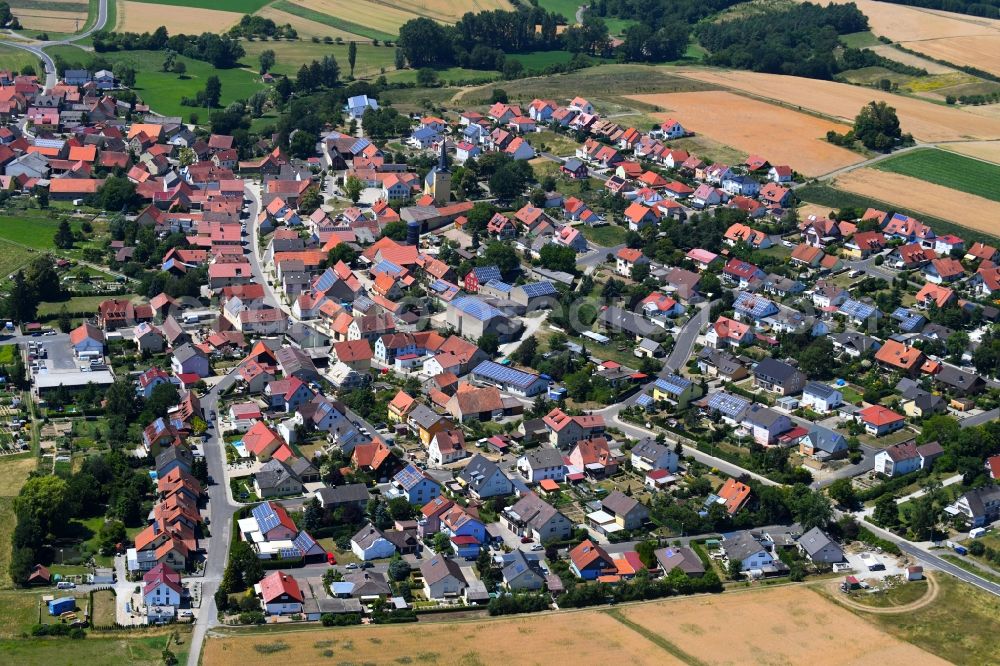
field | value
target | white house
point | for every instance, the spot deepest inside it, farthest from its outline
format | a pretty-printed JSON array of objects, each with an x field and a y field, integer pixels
[
  {"x": 821, "y": 398},
  {"x": 280, "y": 594},
  {"x": 898, "y": 459},
  {"x": 542, "y": 463},
  {"x": 750, "y": 553},
  {"x": 669, "y": 129},
  {"x": 443, "y": 578},
  {"x": 161, "y": 587},
  {"x": 647, "y": 455},
  {"x": 370, "y": 544}
]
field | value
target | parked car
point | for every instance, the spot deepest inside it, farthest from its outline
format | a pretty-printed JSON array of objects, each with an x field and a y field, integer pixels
[
  {"x": 352, "y": 565},
  {"x": 526, "y": 539}
]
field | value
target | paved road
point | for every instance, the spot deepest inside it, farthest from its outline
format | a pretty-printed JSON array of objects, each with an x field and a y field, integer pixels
[{"x": 35, "y": 47}]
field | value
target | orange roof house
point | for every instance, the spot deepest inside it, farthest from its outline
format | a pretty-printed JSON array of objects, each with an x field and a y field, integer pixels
[
  {"x": 735, "y": 495},
  {"x": 900, "y": 356},
  {"x": 400, "y": 406}
]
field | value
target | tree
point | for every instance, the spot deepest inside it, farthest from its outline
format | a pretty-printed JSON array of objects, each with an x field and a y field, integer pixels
[
  {"x": 310, "y": 200},
  {"x": 65, "y": 323},
  {"x": 558, "y": 257},
  {"x": 399, "y": 570},
  {"x": 111, "y": 534},
  {"x": 213, "y": 91},
  {"x": 168, "y": 62},
  {"x": 267, "y": 60},
  {"x": 353, "y": 187},
  {"x": 43, "y": 497},
  {"x": 426, "y": 77},
  {"x": 124, "y": 74},
  {"x": 877, "y": 126},
  {"x": 399, "y": 59},
  {"x": 395, "y": 230},
  {"x": 886, "y": 513},
  {"x": 64, "y": 235},
  {"x": 489, "y": 343},
  {"x": 180, "y": 69},
  {"x": 923, "y": 518},
  {"x": 507, "y": 182},
  {"x": 312, "y": 516},
  {"x": 302, "y": 144},
  {"x": 646, "y": 550},
  {"x": 117, "y": 194},
  {"x": 352, "y": 55},
  {"x": 20, "y": 304},
  {"x": 442, "y": 542},
  {"x": 842, "y": 492},
  {"x": 425, "y": 43}
]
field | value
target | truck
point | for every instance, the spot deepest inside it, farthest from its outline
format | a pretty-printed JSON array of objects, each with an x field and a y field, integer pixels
[{"x": 961, "y": 550}]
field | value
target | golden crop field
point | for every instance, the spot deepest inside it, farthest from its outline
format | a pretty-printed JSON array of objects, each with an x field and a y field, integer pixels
[
  {"x": 925, "y": 120},
  {"x": 782, "y": 135},
  {"x": 961, "y": 208},
  {"x": 146, "y": 17},
  {"x": 61, "y": 16}
]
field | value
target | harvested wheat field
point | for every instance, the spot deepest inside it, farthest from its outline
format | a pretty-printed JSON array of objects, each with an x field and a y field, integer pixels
[
  {"x": 926, "y": 121},
  {"x": 753, "y": 126},
  {"x": 305, "y": 27},
  {"x": 964, "y": 209},
  {"x": 591, "y": 637},
  {"x": 888, "y": 51},
  {"x": 449, "y": 11},
  {"x": 374, "y": 15},
  {"x": 146, "y": 17},
  {"x": 56, "y": 21},
  {"x": 789, "y": 625},
  {"x": 981, "y": 51},
  {"x": 984, "y": 150}
]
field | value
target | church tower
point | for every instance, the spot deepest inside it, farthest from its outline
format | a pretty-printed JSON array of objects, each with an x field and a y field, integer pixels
[{"x": 438, "y": 182}]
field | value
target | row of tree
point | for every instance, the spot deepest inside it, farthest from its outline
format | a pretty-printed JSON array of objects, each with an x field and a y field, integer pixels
[{"x": 223, "y": 52}]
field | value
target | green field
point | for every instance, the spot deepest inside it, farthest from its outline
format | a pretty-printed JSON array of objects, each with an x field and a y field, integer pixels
[
  {"x": 539, "y": 60},
  {"x": 858, "y": 40},
  {"x": 14, "y": 59},
  {"x": 289, "y": 56},
  {"x": 565, "y": 7},
  {"x": 241, "y": 6},
  {"x": 69, "y": 53},
  {"x": 96, "y": 648},
  {"x": 331, "y": 21},
  {"x": 949, "y": 170},
  {"x": 163, "y": 91},
  {"x": 450, "y": 76},
  {"x": 608, "y": 235},
  {"x": 35, "y": 231}
]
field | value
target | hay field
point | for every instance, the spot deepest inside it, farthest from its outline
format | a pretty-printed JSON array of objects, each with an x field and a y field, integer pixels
[
  {"x": 361, "y": 12},
  {"x": 984, "y": 150},
  {"x": 789, "y": 625},
  {"x": 304, "y": 26},
  {"x": 591, "y": 637},
  {"x": 963, "y": 209},
  {"x": 785, "y": 625},
  {"x": 448, "y": 11},
  {"x": 783, "y": 135},
  {"x": 926, "y": 121},
  {"x": 888, "y": 51},
  {"x": 956, "y": 38},
  {"x": 55, "y": 15},
  {"x": 146, "y": 17}
]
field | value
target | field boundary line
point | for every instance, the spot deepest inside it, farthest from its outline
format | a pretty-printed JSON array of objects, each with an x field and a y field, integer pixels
[{"x": 654, "y": 638}]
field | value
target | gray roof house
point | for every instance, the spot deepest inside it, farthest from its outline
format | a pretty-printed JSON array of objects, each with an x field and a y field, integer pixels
[
  {"x": 628, "y": 511},
  {"x": 350, "y": 494},
  {"x": 819, "y": 548},
  {"x": 533, "y": 516},
  {"x": 483, "y": 478},
  {"x": 778, "y": 377},
  {"x": 823, "y": 443},
  {"x": 296, "y": 363},
  {"x": 274, "y": 479},
  {"x": 442, "y": 577},
  {"x": 188, "y": 358},
  {"x": 679, "y": 557},
  {"x": 521, "y": 571}
]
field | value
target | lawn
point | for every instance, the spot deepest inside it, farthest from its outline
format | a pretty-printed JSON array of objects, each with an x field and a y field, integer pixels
[
  {"x": 14, "y": 59},
  {"x": 539, "y": 60},
  {"x": 34, "y": 230},
  {"x": 565, "y": 7},
  {"x": 949, "y": 170},
  {"x": 961, "y": 626},
  {"x": 69, "y": 53},
  {"x": 289, "y": 56},
  {"x": 608, "y": 235},
  {"x": 858, "y": 40},
  {"x": 103, "y": 613},
  {"x": 14, "y": 472},
  {"x": 241, "y": 6},
  {"x": 7, "y": 354},
  {"x": 75, "y": 304},
  {"x": 163, "y": 91},
  {"x": 97, "y": 649},
  {"x": 551, "y": 142},
  {"x": 900, "y": 595},
  {"x": 331, "y": 21},
  {"x": 19, "y": 612},
  {"x": 450, "y": 76}
]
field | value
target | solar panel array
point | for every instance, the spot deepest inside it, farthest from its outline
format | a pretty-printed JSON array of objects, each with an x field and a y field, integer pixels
[
  {"x": 499, "y": 285},
  {"x": 303, "y": 542},
  {"x": 857, "y": 309},
  {"x": 756, "y": 306},
  {"x": 537, "y": 289},
  {"x": 673, "y": 384},
  {"x": 266, "y": 517},
  {"x": 504, "y": 375},
  {"x": 326, "y": 280},
  {"x": 363, "y": 303},
  {"x": 474, "y": 307},
  {"x": 386, "y": 266},
  {"x": 486, "y": 273},
  {"x": 359, "y": 145},
  {"x": 728, "y": 404},
  {"x": 408, "y": 477},
  {"x": 644, "y": 400}
]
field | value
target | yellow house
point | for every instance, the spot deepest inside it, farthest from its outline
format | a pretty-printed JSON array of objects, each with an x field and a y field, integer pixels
[
  {"x": 400, "y": 406},
  {"x": 426, "y": 423}
]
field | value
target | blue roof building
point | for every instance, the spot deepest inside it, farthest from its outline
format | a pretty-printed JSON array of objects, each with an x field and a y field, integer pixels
[{"x": 510, "y": 379}]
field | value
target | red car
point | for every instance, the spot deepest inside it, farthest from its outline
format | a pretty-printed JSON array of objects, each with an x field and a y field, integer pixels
[
  {"x": 526, "y": 539},
  {"x": 330, "y": 559}
]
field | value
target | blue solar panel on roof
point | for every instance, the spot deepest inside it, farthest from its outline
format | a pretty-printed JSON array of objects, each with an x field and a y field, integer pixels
[
  {"x": 644, "y": 400},
  {"x": 499, "y": 285},
  {"x": 359, "y": 145},
  {"x": 326, "y": 280},
  {"x": 266, "y": 517},
  {"x": 304, "y": 542},
  {"x": 486, "y": 273},
  {"x": 901, "y": 313},
  {"x": 754, "y": 305},
  {"x": 474, "y": 307},
  {"x": 672, "y": 384},
  {"x": 386, "y": 266},
  {"x": 727, "y": 403},
  {"x": 536, "y": 289},
  {"x": 504, "y": 375}
]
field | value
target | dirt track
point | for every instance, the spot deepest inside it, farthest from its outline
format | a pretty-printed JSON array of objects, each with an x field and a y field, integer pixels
[{"x": 932, "y": 594}]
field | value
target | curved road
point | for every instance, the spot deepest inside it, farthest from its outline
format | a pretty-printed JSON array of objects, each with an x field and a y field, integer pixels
[{"x": 36, "y": 47}]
